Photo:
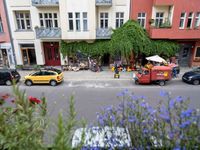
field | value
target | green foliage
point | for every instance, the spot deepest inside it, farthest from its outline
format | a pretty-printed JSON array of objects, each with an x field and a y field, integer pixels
[
  {"x": 63, "y": 137},
  {"x": 131, "y": 37},
  {"x": 22, "y": 126}
]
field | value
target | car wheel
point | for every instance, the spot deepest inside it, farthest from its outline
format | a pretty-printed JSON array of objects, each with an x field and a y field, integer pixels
[
  {"x": 8, "y": 82},
  {"x": 196, "y": 82},
  {"x": 136, "y": 82},
  {"x": 53, "y": 83},
  {"x": 161, "y": 83},
  {"x": 28, "y": 82}
]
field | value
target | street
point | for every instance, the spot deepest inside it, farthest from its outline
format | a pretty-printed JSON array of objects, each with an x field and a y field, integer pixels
[{"x": 92, "y": 95}]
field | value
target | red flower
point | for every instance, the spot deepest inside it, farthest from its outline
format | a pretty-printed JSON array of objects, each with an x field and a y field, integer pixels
[{"x": 34, "y": 100}]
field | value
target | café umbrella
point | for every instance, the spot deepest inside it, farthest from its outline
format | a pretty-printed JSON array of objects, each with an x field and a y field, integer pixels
[{"x": 156, "y": 58}]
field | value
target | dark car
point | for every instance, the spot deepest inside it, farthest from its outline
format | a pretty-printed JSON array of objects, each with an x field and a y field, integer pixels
[
  {"x": 192, "y": 77},
  {"x": 7, "y": 76}
]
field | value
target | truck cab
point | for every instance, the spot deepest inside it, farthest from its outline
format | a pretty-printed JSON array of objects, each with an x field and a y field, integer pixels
[{"x": 158, "y": 74}]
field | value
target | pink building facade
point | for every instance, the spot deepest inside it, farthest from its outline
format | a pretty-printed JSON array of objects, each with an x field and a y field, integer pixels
[
  {"x": 177, "y": 20},
  {"x": 6, "y": 52}
]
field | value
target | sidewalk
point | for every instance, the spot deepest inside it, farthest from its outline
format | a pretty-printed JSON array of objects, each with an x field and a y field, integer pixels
[{"x": 106, "y": 74}]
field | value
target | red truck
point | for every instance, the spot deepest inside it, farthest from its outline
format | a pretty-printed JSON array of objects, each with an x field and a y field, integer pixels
[{"x": 157, "y": 74}]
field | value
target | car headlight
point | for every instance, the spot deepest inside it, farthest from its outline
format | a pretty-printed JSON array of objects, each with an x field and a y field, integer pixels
[{"x": 189, "y": 78}]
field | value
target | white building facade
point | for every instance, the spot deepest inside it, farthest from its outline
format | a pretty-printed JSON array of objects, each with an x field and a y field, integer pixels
[{"x": 38, "y": 26}]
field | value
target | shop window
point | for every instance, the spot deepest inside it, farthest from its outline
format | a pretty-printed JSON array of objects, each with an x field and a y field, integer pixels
[{"x": 197, "y": 52}]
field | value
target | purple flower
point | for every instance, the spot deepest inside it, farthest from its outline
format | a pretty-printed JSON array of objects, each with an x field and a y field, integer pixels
[
  {"x": 112, "y": 118},
  {"x": 143, "y": 104},
  {"x": 101, "y": 120},
  {"x": 133, "y": 97},
  {"x": 185, "y": 124},
  {"x": 186, "y": 113},
  {"x": 179, "y": 99},
  {"x": 165, "y": 117},
  {"x": 109, "y": 109},
  {"x": 171, "y": 135},
  {"x": 163, "y": 93},
  {"x": 131, "y": 119},
  {"x": 171, "y": 103}
]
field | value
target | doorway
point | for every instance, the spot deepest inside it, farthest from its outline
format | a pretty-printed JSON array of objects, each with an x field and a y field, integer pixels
[
  {"x": 52, "y": 54},
  {"x": 184, "y": 55},
  {"x": 106, "y": 60},
  {"x": 3, "y": 58},
  {"x": 28, "y": 54}
]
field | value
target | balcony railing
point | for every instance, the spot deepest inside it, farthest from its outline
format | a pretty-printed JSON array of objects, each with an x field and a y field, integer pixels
[
  {"x": 47, "y": 33},
  {"x": 43, "y": 3},
  {"x": 103, "y": 2},
  {"x": 103, "y": 33},
  {"x": 163, "y": 2}
]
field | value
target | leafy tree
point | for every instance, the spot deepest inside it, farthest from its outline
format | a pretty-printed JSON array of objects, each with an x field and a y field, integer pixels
[{"x": 129, "y": 39}]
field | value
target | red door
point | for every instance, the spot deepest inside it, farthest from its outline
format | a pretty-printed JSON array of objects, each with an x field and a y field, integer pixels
[{"x": 52, "y": 54}]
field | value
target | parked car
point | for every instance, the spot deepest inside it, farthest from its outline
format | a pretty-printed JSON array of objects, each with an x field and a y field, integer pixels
[
  {"x": 7, "y": 76},
  {"x": 192, "y": 77},
  {"x": 52, "y": 77}
]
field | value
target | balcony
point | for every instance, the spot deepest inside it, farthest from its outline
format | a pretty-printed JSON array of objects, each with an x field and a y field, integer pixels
[
  {"x": 103, "y": 33},
  {"x": 44, "y": 3},
  {"x": 48, "y": 33},
  {"x": 174, "y": 33},
  {"x": 163, "y": 2},
  {"x": 103, "y": 2}
]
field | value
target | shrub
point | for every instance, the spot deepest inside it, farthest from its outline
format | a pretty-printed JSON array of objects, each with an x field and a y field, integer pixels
[{"x": 172, "y": 124}]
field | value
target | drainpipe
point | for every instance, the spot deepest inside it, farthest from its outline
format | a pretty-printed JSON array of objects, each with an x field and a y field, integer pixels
[{"x": 10, "y": 32}]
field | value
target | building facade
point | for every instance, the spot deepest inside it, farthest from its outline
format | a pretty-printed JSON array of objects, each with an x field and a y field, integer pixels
[
  {"x": 38, "y": 26},
  {"x": 6, "y": 51},
  {"x": 176, "y": 20}
]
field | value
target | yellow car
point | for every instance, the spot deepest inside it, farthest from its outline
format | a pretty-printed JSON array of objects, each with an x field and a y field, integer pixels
[{"x": 52, "y": 77}]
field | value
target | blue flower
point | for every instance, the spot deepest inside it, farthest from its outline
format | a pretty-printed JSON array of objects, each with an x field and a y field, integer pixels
[
  {"x": 185, "y": 124},
  {"x": 163, "y": 93},
  {"x": 171, "y": 104},
  {"x": 179, "y": 99},
  {"x": 186, "y": 113},
  {"x": 165, "y": 117},
  {"x": 143, "y": 104},
  {"x": 133, "y": 97},
  {"x": 112, "y": 118},
  {"x": 131, "y": 119},
  {"x": 101, "y": 120}
]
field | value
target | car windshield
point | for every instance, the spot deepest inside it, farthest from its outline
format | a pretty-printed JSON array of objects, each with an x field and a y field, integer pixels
[
  {"x": 196, "y": 70},
  {"x": 140, "y": 71}
]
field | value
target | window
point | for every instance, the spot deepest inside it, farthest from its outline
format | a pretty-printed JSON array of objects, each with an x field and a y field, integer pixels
[
  {"x": 23, "y": 20},
  {"x": 197, "y": 20},
  {"x": 78, "y": 26},
  {"x": 189, "y": 22},
  {"x": 142, "y": 19},
  {"x": 197, "y": 52},
  {"x": 48, "y": 20},
  {"x": 70, "y": 19},
  {"x": 1, "y": 25},
  {"x": 119, "y": 19},
  {"x": 182, "y": 20},
  {"x": 103, "y": 20},
  {"x": 159, "y": 19},
  {"x": 85, "y": 22}
]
